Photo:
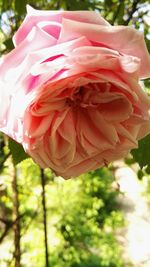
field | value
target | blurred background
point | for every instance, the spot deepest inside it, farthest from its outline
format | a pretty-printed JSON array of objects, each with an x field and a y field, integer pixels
[{"x": 100, "y": 219}]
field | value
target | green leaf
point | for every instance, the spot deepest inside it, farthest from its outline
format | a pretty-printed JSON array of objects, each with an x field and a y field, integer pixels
[
  {"x": 148, "y": 169},
  {"x": 9, "y": 44},
  {"x": 17, "y": 151},
  {"x": 147, "y": 86},
  {"x": 142, "y": 153},
  {"x": 140, "y": 174},
  {"x": 20, "y": 6}
]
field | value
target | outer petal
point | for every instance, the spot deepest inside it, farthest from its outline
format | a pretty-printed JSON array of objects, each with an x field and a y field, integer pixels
[
  {"x": 91, "y": 57},
  {"x": 125, "y": 40},
  {"x": 35, "y": 16},
  {"x": 83, "y": 166},
  {"x": 36, "y": 39}
]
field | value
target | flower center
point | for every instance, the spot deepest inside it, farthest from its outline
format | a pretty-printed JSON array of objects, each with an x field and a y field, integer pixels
[
  {"x": 87, "y": 95},
  {"x": 76, "y": 98}
]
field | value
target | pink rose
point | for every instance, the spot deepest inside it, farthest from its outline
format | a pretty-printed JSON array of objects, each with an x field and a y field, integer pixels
[{"x": 70, "y": 90}]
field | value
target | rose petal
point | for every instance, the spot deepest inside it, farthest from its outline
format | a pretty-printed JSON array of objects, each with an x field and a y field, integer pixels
[
  {"x": 143, "y": 98},
  {"x": 35, "y": 16},
  {"x": 14, "y": 58},
  {"x": 144, "y": 129},
  {"x": 83, "y": 166},
  {"x": 86, "y": 129},
  {"x": 121, "y": 130},
  {"x": 116, "y": 110},
  {"x": 67, "y": 147},
  {"x": 51, "y": 27},
  {"x": 107, "y": 129},
  {"x": 37, "y": 126},
  {"x": 125, "y": 40}
]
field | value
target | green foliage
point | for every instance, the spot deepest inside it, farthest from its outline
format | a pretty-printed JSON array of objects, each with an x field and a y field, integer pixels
[
  {"x": 20, "y": 6},
  {"x": 4, "y": 151},
  {"x": 17, "y": 151},
  {"x": 8, "y": 44},
  {"x": 82, "y": 221},
  {"x": 142, "y": 154},
  {"x": 82, "y": 218},
  {"x": 147, "y": 86}
]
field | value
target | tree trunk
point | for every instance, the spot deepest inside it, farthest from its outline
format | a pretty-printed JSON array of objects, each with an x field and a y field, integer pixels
[{"x": 16, "y": 219}]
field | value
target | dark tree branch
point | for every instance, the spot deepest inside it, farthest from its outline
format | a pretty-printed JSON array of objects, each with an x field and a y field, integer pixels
[
  {"x": 44, "y": 218},
  {"x": 117, "y": 12},
  {"x": 4, "y": 234},
  {"x": 8, "y": 226},
  {"x": 133, "y": 9},
  {"x": 16, "y": 226}
]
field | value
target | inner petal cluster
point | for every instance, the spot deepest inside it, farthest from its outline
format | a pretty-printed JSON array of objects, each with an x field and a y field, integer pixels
[{"x": 112, "y": 105}]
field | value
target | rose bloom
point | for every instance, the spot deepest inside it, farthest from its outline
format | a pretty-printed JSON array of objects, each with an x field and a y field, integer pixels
[{"x": 70, "y": 92}]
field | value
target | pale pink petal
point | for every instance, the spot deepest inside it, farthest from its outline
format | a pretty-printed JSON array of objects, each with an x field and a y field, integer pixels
[
  {"x": 52, "y": 67},
  {"x": 125, "y": 40},
  {"x": 35, "y": 16},
  {"x": 51, "y": 27},
  {"x": 92, "y": 63},
  {"x": 38, "y": 61},
  {"x": 130, "y": 64},
  {"x": 37, "y": 39},
  {"x": 107, "y": 129},
  {"x": 60, "y": 49},
  {"x": 92, "y": 50},
  {"x": 86, "y": 129},
  {"x": 143, "y": 98}
]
